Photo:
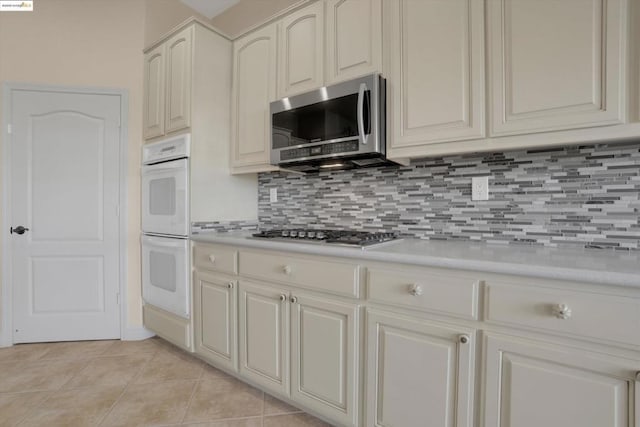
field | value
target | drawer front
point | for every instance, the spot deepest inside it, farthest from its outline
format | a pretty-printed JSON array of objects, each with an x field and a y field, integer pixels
[
  {"x": 216, "y": 258},
  {"x": 424, "y": 289},
  {"x": 565, "y": 311},
  {"x": 322, "y": 275}
]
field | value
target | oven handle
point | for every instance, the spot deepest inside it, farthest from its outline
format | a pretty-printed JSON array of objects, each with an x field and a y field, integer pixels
[
  {"x": 158, "y": 242},
  {"x": 363, "y": 136}
]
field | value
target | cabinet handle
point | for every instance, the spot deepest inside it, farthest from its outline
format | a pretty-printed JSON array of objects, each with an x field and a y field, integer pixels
[
  {"x": 294, "y": 300},
  {"x": 230, "y": 285},
  {"x": 562, "y": 311},
  {"x": 638, "y": 376},
  {"x": 283, "y": 298},
  {"x": 415, "y": 290},
  {"x": 463, "y": 339},
  {"x": 212, "y": 258},
  {"x": 286, "y": 269}
]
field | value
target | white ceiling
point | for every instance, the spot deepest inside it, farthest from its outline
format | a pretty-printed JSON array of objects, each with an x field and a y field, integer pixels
[{"x": 210, "y": 8}]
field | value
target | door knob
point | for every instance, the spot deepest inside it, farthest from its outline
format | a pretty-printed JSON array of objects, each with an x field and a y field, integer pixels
[{"x": 18, "y": 230}]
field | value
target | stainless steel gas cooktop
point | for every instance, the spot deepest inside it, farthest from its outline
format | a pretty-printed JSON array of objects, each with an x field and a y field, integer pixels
[{"x": 338, "y": 237}]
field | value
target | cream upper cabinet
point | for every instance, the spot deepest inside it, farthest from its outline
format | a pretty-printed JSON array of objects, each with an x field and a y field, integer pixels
[
  {"x": 254, "y": 87},
  {"x": 154, "y": 88},
  {"x": 556, "y": 65},
  {"x": 354, "y": 39},
  {"x": 178, "y": 100},
  {"x": 531, "y": 384},
  {"x": 434, "y": 62},
  {"x": 167, "y": 85},
  {"x": 301, "y": 50},
  {"x": 418, "y": 371}
]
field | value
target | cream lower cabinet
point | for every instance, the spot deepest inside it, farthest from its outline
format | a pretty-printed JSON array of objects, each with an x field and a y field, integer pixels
[
  {"x": 419, "y": 373},
  {"x": 533, "y": 384},
  {"x": 318, "y": 367},
  {"x": 215, "y": 318}
]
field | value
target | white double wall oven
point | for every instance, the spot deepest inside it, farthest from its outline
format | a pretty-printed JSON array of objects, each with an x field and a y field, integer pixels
[{"x": 165, "y": 225}]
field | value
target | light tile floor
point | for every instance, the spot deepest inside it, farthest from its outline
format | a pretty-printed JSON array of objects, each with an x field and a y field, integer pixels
[{"x": 129, "y": 383}]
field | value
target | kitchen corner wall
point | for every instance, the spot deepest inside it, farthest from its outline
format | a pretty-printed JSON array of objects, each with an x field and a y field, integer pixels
[{"x": 578, "y": 196}]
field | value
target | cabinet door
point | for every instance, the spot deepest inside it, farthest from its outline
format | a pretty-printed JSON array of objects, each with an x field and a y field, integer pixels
[
  {"x": 418, "y": 371},
  {"x": 301, "y": 53},
  {"x": 179, "y": 67},
  {"x": 435, "y": 72},
  {"x": 531, "y": 384},
  {"x": 254, "y": 87},
  {"x": 154, "y": 86},
  {"x": 555, "y": 64},
  {"x": 215, "y": 319},
  {"x": 264, "y": 336},
  {"x": 354, "y": 38},
  {"x": 325, "y": 357}
]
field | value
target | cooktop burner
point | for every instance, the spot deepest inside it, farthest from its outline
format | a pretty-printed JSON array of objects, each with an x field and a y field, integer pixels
[{"x": 343, "y": 237}]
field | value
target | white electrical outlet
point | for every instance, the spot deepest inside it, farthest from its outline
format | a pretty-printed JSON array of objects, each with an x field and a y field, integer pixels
[
  {"x": 273, "y": 195},
  {"x": 480, "y": 188}
]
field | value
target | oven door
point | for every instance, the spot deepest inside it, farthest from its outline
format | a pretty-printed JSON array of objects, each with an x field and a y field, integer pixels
[
  {"x": 165, "y": 198},
  {"x": 165, "y": 274}
]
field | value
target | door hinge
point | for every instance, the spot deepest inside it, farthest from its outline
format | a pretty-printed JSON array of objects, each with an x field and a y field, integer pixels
[
  {"x": 9, "y": 129},
  {"x": 118, "y": 211},
  {"x": 118, "y": 298}
]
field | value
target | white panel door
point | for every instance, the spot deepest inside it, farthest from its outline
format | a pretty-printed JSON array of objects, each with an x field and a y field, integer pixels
[
  {"x": 555, "y": 64},
  {"x": 65, "y": 190},
  {"x": 419, "y": 374},
  {"x": 539, "y": 384},
  {"x": 354, "y": 38},
  {"x": 435, "y": 71},
  {"x": 264, "y": 336},
  {"x": 324, "y": 352}
]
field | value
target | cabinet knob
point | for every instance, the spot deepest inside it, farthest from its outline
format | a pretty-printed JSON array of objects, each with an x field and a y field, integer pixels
[
  {"x": 230, "y": 285},
  {"x": 463, "y": 339},
  {"x": 294, "y": 300},
  {"x": 562, "y": 311},
  {"x": 286, "y": 269},
  {"x": 283, "y": 298},
  {"x": 212, "y": 258},
  {"x": 415, "y": 290}
]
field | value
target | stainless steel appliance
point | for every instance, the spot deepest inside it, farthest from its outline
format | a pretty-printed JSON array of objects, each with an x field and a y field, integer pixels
[
  {"x": 165, "y": 225},
  {"x": 335, "y": 127},
  {"x": 338, "y": 237}
]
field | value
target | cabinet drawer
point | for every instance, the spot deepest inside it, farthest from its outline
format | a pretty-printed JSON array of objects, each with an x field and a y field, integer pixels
[
  {"x": 425, "y": 289},
  {"x": 565, "y": 311},
  {"x": 215, "y": 258},
  {"x": 323, "y": 275}
]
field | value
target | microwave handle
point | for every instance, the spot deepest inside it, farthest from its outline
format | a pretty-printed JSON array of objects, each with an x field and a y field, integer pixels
[{"x": 361, "y": 131}]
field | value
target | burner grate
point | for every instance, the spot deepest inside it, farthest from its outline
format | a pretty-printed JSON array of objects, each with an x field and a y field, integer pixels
[{"x": 343, "y": 237}]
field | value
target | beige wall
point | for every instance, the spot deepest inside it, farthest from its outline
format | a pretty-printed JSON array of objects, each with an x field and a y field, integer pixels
[
  {"x": 86, "y": 43},
  {"x": 248, "y": 13}
]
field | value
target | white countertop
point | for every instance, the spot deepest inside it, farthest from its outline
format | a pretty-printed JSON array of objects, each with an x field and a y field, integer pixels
[{"x": 584, "y": 265}]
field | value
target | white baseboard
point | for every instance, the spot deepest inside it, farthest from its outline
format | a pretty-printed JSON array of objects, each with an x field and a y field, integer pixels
[
  {"x": 136, "y": 334},
  {"x": 5, "y": 340}
]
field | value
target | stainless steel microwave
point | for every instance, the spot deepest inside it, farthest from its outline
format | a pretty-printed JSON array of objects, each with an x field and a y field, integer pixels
[{"x": 341, "y": 126}]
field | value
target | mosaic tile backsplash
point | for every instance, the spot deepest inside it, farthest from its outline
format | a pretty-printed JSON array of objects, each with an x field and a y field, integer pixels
[
  {"x": 579, "y": 196},
  {"x": 222, "y": 226}
]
